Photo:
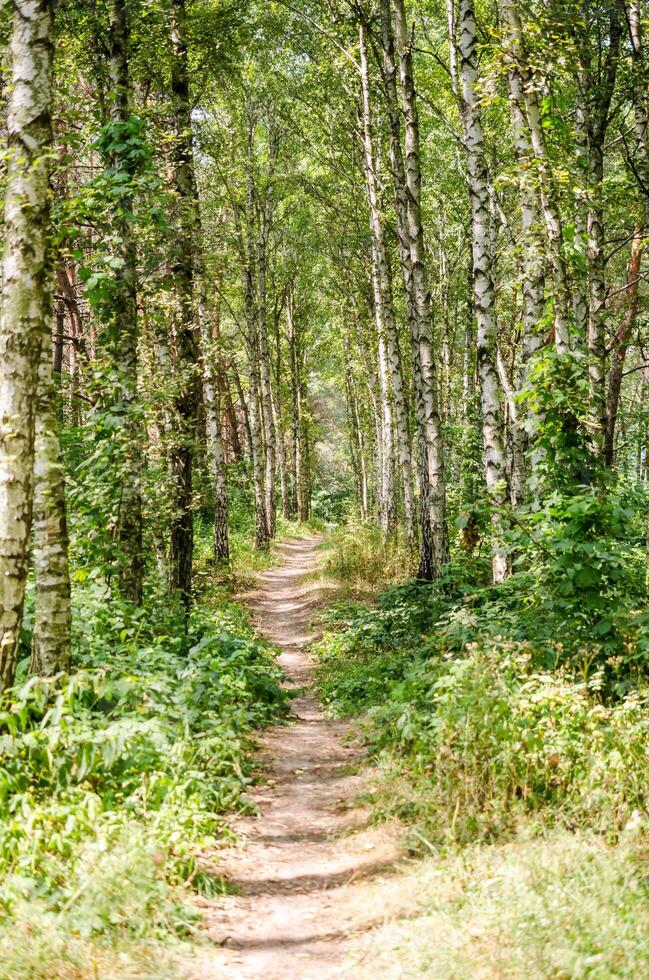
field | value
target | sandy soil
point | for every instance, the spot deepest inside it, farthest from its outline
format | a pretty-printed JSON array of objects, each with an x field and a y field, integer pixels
[{"x": 310, "y": 876}]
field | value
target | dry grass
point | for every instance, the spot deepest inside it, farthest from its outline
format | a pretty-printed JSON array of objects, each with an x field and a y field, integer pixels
[
  {"x": 567, "y": 906},
  {"x": 363, "y": 561}
]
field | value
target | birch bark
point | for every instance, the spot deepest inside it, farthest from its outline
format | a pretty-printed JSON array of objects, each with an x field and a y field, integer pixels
[
  {"x": 547, "y": 189},
  {"x": 596, "y": 84},
  {"x": 262, "y": 531},
  {"x": 388, "y": 346},
  {"x": 434, "y": 543},
  {"x": 533, "y": 279},
  {"x": 483, "y": 282},
  {"x": 209, "y": 357},
  {"x": 270, "y": 439},
  {"x": 26, "y": 302}
]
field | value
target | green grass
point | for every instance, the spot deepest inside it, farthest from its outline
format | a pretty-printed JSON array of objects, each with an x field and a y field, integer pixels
[{"x": 359, "y": 558}]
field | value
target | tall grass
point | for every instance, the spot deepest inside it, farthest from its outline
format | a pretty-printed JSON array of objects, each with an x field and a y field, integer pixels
[
  {"x": 567, "y": 906},
  {"x": 362, "y": 559}
]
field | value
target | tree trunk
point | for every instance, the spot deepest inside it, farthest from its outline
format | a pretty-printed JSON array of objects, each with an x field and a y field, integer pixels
[
  {"x": 26, "y": 300},
  {"x": 357, "y": 441},
  {"x": 232, "y": 439},
  {"x": 596, "y": 86},
  {"x": 434, "y": 537},
  {"x": 397, "y": 163},
  {"x": 264, "y": 369},
  {"x": 57, "y": 356},
  {"x": 533, "y": 278},
  {"x": 638, "y": 245},
  {"x": 123, "y": 330},
  {"x": 262, "y": 531},
  {"x": 181, "y": 451},
  {"x": 641, "y": 117},
  {"x": 389, "y": 355},
  {"x": 372, "y": 381},
  {"x": 621, "y": 342},
  {"x": 278, "y": 420},
  {"x": 52, "y": 623},
  {"x": 245, "y": 414},
  {"x": 401, "y": 209},
  {"x": 483, "y": 282},
  {"x": 296, "y": 429},
  {"x": 304, "y": 473},
  {"x": 210, "y": 358}
]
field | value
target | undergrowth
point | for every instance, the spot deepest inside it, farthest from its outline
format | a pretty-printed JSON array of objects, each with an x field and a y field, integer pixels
[
  {"x": 489, "y": 704},
  {"x": 509, "y": 726},
  {"x": 114, "y": 779},
  {"x": 360, "y": 556}
]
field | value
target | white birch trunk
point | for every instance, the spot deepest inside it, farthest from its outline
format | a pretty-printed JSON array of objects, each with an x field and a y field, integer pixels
[
  {"x": 389, "y": 355},
  {"x": 264, "y": 372},
  {"x": 597, "y": 84},
  {"x": 533, "y": 282},
  {"x": 26, "y": 301},
  {"x": 213, "y": 410},
  {"x": 434, "y": 544},
  {"x": 483, "y": 282},
  {"x": 262, "y": 535}
]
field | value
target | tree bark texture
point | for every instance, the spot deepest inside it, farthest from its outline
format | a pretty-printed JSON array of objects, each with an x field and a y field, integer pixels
[
  {"x": 181, "y": 451},
  {"x": 26, "y": 303},
  {"x": 124, "y": 327},
  {"x": 483, "y": 281},
  {"x": 434, "y": 528},
  {"x": 388, "y": 347},
  {"x": 548, "y": 193},
  {"x": 51, "y": 639}
]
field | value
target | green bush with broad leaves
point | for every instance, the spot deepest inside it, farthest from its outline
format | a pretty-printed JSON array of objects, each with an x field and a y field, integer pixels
[
  {"x": 145, "y": 741},
  {"x": 489, "y": 704}
]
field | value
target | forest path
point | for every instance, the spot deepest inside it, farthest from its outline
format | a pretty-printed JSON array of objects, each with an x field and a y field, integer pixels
[{"x": 310, "y": 876}]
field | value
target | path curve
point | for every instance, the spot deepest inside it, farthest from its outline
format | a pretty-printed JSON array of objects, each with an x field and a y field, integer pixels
[{"x": 309, "y": 874}]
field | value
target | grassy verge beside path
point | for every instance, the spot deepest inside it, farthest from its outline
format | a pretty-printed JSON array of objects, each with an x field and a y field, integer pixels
[{"x": 515, "y": 753}]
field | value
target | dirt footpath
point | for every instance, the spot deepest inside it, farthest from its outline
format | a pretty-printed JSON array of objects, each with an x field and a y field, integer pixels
[{"x": 309, "y": 875}]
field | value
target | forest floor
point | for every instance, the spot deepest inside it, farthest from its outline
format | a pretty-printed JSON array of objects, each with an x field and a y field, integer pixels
[{"x": 309, "y": 875}]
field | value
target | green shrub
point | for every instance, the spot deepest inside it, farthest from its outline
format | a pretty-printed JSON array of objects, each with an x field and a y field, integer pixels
[
  {"x": 499, "y": 703},
  {"x": 489, "y": 740},
  {"x": 145, "y": 742}
]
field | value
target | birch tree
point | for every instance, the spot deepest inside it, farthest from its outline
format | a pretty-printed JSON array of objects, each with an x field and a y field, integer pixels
[
  {"x": 434, "y": 543},
  {"x": 265, "y": 209},
  {"x": 596, "y": 83},
  {"x": 26, "y": 302},
  {"x": 51, "y": 639},
  {"x": 527, "y": 98},
  {"x": 389, "y": 359},
  {"x": 483, "y": 279}
]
